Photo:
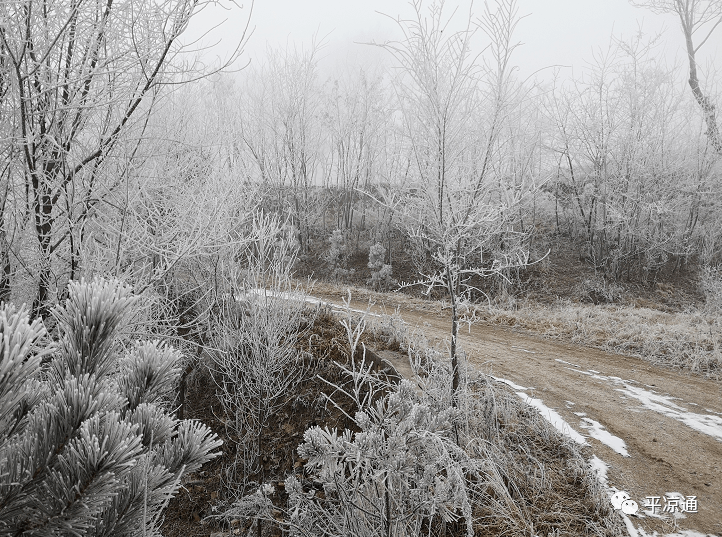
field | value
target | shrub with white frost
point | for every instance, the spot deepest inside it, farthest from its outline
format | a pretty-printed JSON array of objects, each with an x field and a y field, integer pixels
[
  {"x": 88, "y": 445},
  {"x": 380, "y": 272},
  {"x": 402, "y": 471}
]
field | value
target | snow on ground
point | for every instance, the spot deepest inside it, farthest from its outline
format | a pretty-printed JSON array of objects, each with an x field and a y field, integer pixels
[
  {"x": 681, "y": 533},
  {"x": 553, "y": 417},
  {"x": 601, "y": 468},
  {"x": 597, "y": 430},
  {"x": 509, "y": 383},
  {"x": 252, "y": 295},
  {"x": 704, "y": 423},
  {"x": 568, "y": 363}
]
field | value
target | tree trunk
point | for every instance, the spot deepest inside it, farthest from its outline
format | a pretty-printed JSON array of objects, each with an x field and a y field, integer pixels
[
  {"x": 708, "y": 109},
  {"x": 43, "y": 207},
  {"x": 455, "y": 376}
]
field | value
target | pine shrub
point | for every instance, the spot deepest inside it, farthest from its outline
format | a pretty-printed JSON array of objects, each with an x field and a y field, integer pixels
[
  {"x": 380, "y": 272},
  {"x": 88, "y": 444}
]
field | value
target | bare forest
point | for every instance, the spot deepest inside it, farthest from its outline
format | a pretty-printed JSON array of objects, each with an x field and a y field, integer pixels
[{"x": 259, "y": 298}]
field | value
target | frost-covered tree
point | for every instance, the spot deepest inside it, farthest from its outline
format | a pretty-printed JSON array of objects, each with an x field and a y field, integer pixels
[
  {"x": 455, "y": 110},
  {"x": 88, "y": 445},
  {"x": 380, "y": 271},
  {"x": 698, "y": 19}
]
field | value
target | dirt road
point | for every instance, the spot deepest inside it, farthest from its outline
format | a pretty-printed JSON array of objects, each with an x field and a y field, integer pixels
[{"x": 658, "y": 431}]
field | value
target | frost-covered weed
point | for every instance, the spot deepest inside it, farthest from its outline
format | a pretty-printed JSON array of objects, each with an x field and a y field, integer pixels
[{"x": 380, "y": 272}]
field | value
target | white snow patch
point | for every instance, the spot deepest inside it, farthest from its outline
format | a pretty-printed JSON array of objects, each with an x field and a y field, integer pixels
[
  {"x": 600, "y": 467},
  {"x": 681, "y": 533},
  {"x": 252, "y": 295},
  {"x": 580, "y": 414},
  {"x": 597, "y": 430},
  {"x": 568, "y": 363},
  {"x": 553, "y": 417},
  {"x": 522, "y": 350},
  {"x": 704, "y": 423},
  {"x": 630, "y": 527},
  {"x": 509, "y": 383}
]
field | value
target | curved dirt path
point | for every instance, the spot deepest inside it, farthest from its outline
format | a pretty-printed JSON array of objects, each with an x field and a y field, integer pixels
[{"x": 670, "y": 422}]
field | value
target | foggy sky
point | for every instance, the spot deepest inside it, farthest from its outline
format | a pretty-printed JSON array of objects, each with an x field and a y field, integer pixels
[{"x": 554, "y": 32}]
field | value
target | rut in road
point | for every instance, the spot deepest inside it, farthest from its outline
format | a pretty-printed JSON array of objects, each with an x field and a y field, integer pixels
[{"x": 659, "y": 431}]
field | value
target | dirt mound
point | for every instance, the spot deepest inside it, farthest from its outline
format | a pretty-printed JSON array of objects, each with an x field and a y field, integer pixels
[{"x": 545, "y": 482}]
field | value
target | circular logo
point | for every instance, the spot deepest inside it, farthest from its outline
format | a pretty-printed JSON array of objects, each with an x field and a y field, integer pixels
[
  {"x": 629, "y": 507},
  {"x": 618, "y": 498}
]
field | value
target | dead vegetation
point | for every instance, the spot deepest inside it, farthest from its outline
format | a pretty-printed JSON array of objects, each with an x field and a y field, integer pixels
[
  {"x": 683, "y": 340},
  {"x": 522, "y": 476}
]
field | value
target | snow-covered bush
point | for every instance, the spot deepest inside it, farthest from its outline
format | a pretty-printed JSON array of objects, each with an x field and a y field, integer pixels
[
  {"x": 710, "y": 281},
  {"x": 88, "y": 445},
  {"x": 380, "y": 272},
  {"x": 337, "y": 256},
  {"x": 400, "y": 474}
]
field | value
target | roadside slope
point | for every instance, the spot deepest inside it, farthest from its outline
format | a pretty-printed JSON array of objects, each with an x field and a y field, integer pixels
[{"x": 670, "y": 422}]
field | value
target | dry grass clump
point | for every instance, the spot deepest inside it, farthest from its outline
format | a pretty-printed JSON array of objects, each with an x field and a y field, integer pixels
[
  {"x": 538, "y": 480},
  {"x": 687, "y": 340}
]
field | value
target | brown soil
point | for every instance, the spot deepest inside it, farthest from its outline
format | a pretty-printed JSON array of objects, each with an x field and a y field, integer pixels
[
  {"x": 203, "y": 495},
  {"x": 665, "y": 454}
]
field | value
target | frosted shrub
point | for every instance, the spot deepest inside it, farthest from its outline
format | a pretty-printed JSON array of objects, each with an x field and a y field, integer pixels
[
  {"x": 337, "y": 255},
  {"x": 711, "y": 283},
  {"x": 88, "y": 445},
  {"x": 256, "y": 363},
  {"x": 380, "y": 272},
  {"x": 399, "y": 473}
]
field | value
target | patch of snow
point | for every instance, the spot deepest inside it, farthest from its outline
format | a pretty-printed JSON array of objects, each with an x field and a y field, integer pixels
[
  {"x": 553, "y": 417},
  {"x": 569, "y": 403},
  {"x": 704, "y": 423},
  {"x": 509, "y": 383},
  {"x": 522, "y": 350},
  {"x": 580, "y": 414},
  {"x": 592, "y": 371},
  {"x": 597, "y": 430},
  {"x": 251, "y": 295},
  {"x": 600, "y": 467},
  {"x": 568, "y": 363},
  {"x": 630, "y": 527}
]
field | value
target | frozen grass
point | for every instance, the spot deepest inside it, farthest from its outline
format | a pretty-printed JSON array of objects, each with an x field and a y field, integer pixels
[
  {"x": 689, "y": 340},
  {"x": 537, "y": 480}
]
